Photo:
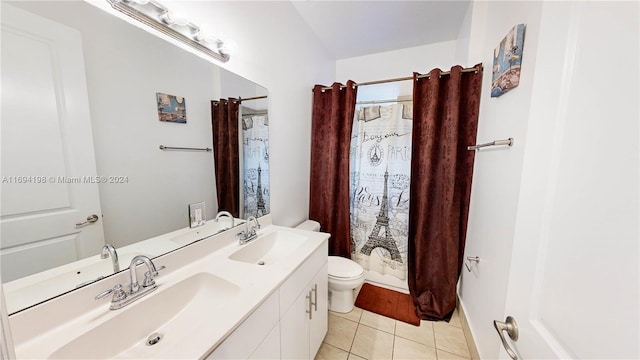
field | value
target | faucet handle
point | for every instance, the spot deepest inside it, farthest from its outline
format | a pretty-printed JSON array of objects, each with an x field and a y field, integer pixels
[
  {"x": 117, "y": 291},
  {"x": 157, "y": 272},
  {"x": 148, "y": 277}
]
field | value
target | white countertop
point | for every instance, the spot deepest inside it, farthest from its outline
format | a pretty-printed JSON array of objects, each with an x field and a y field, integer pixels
[{"x": 42, "y": 330}]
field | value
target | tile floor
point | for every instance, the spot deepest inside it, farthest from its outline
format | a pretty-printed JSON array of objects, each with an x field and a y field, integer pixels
[{"x": 361, "y": 334}]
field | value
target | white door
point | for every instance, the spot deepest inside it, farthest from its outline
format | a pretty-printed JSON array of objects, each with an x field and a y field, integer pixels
[
  {"x": 48, "y": 166},
  {"x": 573, "y": 286}
]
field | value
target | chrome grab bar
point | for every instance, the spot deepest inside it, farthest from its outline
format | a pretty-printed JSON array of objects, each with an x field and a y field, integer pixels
[
  {"x": 162, "y": 147},
  {"x": 470, "y": 259},
  {"x": 508, "y": 141}
]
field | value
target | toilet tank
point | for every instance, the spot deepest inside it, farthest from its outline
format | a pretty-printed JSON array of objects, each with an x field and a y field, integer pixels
[{"x": 309, "y": 225}]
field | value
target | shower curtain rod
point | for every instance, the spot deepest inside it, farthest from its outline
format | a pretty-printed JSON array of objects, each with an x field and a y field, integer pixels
[
  {"x": 251, "y": 98},
  {"x": 471, "y": 69},
  {"x": 383, "y": 101},
  {"x": 239, "y": 100}
]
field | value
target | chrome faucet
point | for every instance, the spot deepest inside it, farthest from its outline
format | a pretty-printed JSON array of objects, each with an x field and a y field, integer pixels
[
  {"x": 134, "y": 287},
  {"x": 249, "y": 233},
  {"x": 225, "y": 213},
  {"x": 109, "y": 251},
  {"x": 253, "y": 218},
  {"x": 121, "y": 297}
]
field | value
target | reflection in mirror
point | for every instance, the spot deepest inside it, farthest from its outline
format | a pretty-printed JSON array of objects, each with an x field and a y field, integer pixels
[
  {"x": 81, "y": 131},
  {"x": 255, "y": 160},
  {"x": 241, "y": 135}
]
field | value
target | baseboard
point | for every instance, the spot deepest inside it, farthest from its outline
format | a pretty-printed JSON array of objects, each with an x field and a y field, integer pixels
[{"x": 473, "y": 349}]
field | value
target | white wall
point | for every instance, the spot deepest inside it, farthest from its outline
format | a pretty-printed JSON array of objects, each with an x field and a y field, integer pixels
[{"x": 497, "y": 172}]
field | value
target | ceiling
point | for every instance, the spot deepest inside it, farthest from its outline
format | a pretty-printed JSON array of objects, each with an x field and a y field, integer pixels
[{"x": 355, "y": 28}]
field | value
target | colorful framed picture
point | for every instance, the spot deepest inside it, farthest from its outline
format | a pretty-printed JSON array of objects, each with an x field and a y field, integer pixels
[
  {"x": 507, "y": 58},
  {"x": 171, "y": 108}
]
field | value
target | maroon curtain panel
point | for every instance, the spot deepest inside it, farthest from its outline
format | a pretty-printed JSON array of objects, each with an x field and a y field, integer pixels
[
  {"x": 332, "y": 120},
  {"x": 445, "y": 122},
  {"x": 224, "y": 124}
]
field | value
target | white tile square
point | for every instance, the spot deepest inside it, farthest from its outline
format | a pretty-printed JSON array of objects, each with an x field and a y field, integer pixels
[
  {"x": 341, "y": 332},
  {"x": 371, "y": 343},
  {"x": 353, "y": 315},
  {"x": 330, "y": 352},
  {"x": 378, "y": 321},
  {"x": 422, "y": 334},
  {"x": 410, "y": 350},
  {"x": 450, "y": 339}
]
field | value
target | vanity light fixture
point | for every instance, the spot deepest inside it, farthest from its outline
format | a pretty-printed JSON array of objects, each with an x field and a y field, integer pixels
[{"x": 175, "y": 25}]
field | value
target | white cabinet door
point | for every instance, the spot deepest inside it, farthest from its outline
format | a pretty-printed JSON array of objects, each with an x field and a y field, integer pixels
[
  {"x": 270, "y": 346},
  {"x": 46, "y": 141},
  {"x": 319, "y": 322},
  {"x": 574, "y": 279},
  {"x": 294, "y": 328},
  {"x": 304, "y": 325},
  {"x": 251, "y": 335}
]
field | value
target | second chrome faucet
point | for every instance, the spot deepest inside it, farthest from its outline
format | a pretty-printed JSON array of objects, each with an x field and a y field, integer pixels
[
  {"x": 121, "y": 297},
  {"x": 250, "y": 232},
  {"x": 109, "y": 251}
]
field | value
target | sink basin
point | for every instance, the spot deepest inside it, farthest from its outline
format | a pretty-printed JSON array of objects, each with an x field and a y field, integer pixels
[
  {"x": 269, "y": 248},
  {"x": 172, "y": 313}
]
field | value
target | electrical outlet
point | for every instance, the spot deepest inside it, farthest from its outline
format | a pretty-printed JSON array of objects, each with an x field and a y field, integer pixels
[{"x": 197, "y": 215}]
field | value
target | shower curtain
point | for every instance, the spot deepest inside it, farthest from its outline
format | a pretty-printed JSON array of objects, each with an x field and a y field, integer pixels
[
  {"x": 446, "y": 111},
  {"x": 224, "y": 124},
  {"x": 255, "y": 165},
  {"x": 380, "y": 166},
  {"x": 332, "y": 119}
]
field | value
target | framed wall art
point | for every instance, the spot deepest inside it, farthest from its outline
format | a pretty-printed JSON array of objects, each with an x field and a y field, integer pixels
[
  {"x": 171, "y": 108},
  {"x": 507, "y": 58}
]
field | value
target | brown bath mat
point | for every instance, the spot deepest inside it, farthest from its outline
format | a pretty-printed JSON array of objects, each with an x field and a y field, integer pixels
[{"x": 388, "y": 303}]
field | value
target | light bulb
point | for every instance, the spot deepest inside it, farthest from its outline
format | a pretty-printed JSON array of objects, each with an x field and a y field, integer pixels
[
  {"x": 206, "y": 37},
  {"x": 171, "y": 18},
  {"x": 179, "y": 19},
  {"x": 227, "y": 47}
]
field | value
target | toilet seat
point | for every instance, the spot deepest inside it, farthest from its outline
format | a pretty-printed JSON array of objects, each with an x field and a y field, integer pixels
[{"x": 344, "y": 269}]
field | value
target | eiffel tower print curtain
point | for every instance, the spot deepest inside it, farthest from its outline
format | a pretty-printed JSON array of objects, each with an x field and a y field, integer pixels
[
  {"x": 255, "y": 165},
  {"x": 224, "y": 124},
  {"x": 380, "y": 172},
  {"x": 445, "y": 113}
]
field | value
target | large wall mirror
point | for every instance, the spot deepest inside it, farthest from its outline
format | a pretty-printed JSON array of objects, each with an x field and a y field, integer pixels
[{"x": 82, "y": 93}]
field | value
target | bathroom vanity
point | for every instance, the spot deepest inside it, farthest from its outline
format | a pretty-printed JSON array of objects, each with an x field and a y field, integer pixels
[{"x": 216, "y": 299}]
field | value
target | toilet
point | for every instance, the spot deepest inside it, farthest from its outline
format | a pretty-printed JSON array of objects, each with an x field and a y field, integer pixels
[{"x": 345, "y": 277}]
